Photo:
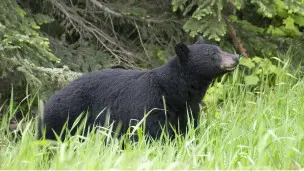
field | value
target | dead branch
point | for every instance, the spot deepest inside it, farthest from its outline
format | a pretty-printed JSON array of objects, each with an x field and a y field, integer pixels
[
  {"x": 236, "y": 40},
  {"x": 141, "y": 42},
  {"x": 120, "y": 15},
  {"x": 79, "y": 22}
]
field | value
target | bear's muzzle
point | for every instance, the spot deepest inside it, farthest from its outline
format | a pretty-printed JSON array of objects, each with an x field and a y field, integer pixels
[{"x": 229, "y": 61}]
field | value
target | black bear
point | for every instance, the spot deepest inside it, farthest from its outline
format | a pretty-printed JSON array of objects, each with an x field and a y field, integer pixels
[{"x": 127, "y": 95}]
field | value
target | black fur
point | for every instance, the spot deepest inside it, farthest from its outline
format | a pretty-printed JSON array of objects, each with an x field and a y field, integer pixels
[
  {"x": 127, "y": 94},
  {"x": 182, "y": 52}
]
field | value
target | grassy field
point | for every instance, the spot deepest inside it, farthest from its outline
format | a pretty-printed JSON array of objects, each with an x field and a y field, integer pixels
[{"x": 250, "y": 128}]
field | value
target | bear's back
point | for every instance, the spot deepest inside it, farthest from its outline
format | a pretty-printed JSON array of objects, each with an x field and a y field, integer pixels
[{"x": 125, "y": 93}]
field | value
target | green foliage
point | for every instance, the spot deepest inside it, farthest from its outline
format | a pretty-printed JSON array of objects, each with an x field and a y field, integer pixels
[
  {"x": 286, "y": 16},
  {"x": 259, "y": 69},
  {"x": 18, "y": 31},
  {"x": 21, "y": 47},
  {"x": 206, "y": 19},
  {"x": 259, "y": 23},
  {"x": 207, "y": 27},
  {"x": 254, "y": 73},
  {"x": 26, "y": 56}
]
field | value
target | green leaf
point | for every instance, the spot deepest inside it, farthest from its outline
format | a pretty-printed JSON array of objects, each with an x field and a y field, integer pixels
[
  {"x": 210, "y": 26},
  {"x": 264, "y": 8},
  {"x": 247, "y": 25},
  {"x": 201, "y": 12},
  {"x": 290, "y": 28},
  {"x": 258, "y": 60},
  {"x": 237, "y": 3},
  {"x": 275, "y": 31},
  {"x": 247, "y": 62},
  {"x": 289, "y": 22},
  {"x": 251, "y": 80},
  {"x": 299, "y": 20},
  {"x": 20, "y": 11},
  {"x": 178, "y": 4}
]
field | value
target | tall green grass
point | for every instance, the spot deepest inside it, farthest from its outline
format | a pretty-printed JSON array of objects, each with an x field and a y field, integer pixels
[{"x": 252, "y": 128}]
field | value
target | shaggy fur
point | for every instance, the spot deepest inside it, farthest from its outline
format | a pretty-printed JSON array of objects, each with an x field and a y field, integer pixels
[{"x": 128, "y": 94}]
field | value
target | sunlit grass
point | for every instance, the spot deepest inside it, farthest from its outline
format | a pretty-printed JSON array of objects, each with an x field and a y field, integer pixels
[{"x": 261, "y": 128}]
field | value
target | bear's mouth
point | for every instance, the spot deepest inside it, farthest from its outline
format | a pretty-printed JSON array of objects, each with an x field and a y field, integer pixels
[{"x": 230, "y": 68}]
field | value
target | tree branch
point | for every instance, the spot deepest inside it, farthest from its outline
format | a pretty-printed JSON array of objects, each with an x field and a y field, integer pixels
[
  {"x": 120, "y": 15},
  {"x": 236, "y": 40},
  {"x": 79, "y": 22}
]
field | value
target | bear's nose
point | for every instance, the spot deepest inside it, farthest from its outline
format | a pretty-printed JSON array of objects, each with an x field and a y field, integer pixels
[{"x": 236, "y": 58}]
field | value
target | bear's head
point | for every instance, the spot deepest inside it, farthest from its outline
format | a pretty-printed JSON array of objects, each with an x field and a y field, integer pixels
[{"x": 208, "y": 61}]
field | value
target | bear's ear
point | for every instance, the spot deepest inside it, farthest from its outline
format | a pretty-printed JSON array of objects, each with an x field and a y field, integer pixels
[
  {"x": 200, "y": 40},
  {"x": 182, "y": 51}
]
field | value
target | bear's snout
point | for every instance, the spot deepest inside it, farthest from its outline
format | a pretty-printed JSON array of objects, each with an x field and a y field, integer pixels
[{"x": 229, "y": 61}]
